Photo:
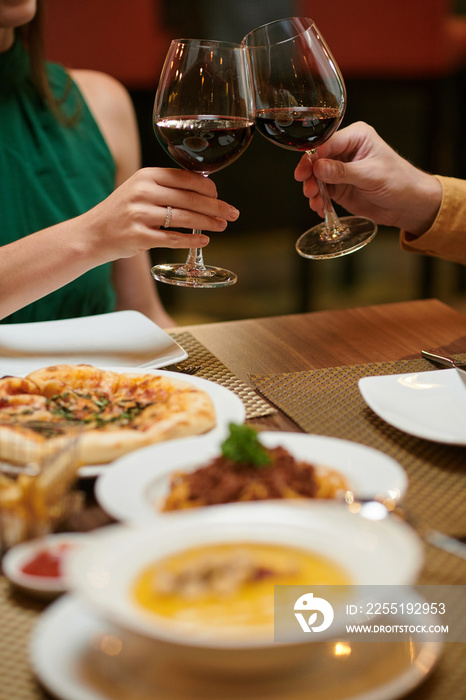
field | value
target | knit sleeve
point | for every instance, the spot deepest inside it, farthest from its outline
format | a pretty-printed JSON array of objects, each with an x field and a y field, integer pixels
[{"x": 447, "y": 236}]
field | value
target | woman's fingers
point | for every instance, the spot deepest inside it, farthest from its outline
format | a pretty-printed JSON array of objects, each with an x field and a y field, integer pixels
[
  {"x": 136, "y": 214},
  {"x": 175, "y": 239},
  {"x": 181, "y": 179},
  {"x": 183, "y": 218},
  {"x": 197, "y": 204},
  {"x": 188, "y": 194}
]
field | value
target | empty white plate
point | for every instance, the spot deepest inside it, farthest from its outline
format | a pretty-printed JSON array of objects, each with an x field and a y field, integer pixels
[
  {"x": 122, "y": 338},
  {"x": 430, "y": 405}
]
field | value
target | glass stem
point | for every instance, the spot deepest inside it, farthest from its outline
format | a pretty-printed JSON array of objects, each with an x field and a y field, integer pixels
[
  {"x": 195, "y": 258},
  {"x": 333, "y": 226}
]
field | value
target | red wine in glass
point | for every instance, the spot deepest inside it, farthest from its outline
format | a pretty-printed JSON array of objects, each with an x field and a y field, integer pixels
[
  {"x": 204, "y": 144},
  {"x": 300, "y": 100},
  {"x": 204, "y": 119},
  {"x": 298, "y": 129}
]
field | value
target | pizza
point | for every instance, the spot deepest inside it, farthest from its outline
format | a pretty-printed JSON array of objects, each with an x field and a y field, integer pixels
[{"x": 113, "y": 413}]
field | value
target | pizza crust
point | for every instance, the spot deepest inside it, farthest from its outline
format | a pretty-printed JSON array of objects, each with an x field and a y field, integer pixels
[{"x": 131, "y": 410}]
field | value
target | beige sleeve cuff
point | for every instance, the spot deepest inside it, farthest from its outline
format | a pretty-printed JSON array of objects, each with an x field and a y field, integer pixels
[{"x": 447, "y": 236}]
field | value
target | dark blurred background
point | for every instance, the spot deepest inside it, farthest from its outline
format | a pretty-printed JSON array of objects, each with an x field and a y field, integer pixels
[{"x": 404, "y": 64}]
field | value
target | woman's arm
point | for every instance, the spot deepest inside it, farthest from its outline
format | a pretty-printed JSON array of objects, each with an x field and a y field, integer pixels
[{"x": 126, "y": 224}]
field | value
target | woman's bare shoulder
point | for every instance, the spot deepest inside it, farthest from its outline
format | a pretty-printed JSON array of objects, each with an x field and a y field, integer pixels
[
  {"x": 101, "y": 90},
  {"x": 112, "y": 108}
]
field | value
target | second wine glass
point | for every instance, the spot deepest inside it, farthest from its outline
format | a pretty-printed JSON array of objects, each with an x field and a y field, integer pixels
[
  {"x": 300, "y": 101},
  {"x": 204, "y": 119}
]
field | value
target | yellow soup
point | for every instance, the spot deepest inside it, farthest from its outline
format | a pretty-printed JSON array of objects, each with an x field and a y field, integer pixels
[{"x": 231, "y": 584}]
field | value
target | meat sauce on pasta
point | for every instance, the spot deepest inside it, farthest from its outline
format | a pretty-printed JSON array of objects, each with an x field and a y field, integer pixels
[{"x": 225, "y": 480}]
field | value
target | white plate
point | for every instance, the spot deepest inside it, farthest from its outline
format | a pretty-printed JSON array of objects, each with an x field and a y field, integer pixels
[
  {"x": 39, "y": 586},
  {"x": 430, "y": 405},
  {"x": 62, "y": 660},
  {"x": 228, "y": 409},
  {"x": 138, "y": 480},
  {"x": 126, "y": 338}
]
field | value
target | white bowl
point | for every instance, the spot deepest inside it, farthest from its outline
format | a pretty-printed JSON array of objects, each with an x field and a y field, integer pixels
[{"x": 372, "y": 552}]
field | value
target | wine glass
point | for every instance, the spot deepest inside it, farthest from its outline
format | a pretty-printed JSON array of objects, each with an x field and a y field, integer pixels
[
  {"x": 204, "y": 119},
  {"x": 300, "y": 102}
]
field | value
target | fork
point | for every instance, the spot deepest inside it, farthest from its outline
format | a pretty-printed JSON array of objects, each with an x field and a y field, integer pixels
[
  {"x": 443, "y": 360},
  {"x": 188, "y": 369},
  {"x": 453, "y": 544}
]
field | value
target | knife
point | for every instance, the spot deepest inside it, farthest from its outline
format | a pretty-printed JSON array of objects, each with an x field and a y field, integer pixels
[
  {"x": 444, "y": 361},
  {"x": 445, "y": 542}
]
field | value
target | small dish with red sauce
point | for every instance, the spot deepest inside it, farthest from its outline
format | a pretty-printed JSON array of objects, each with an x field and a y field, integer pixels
[{"x": 38, "y": 566}]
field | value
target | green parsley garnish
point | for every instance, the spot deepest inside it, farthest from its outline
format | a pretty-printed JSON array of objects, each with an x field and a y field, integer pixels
[{"x": 242, "y": 445}]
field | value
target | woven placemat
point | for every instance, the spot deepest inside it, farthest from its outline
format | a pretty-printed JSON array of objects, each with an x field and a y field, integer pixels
[
  {"x": 211, "y": 368},
  {"x": 18, "y": 615},
  {"x": 328, "y": 402}
]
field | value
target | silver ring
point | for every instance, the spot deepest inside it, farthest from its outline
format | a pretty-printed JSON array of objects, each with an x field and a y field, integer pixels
[{"x": 168, "y": 218}]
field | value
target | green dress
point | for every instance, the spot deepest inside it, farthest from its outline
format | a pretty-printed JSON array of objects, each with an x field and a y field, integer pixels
[{"x": 50, "y": 172}]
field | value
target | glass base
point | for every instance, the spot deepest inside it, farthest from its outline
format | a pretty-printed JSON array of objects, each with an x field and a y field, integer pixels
[
  {"x": 182, "y": 275},
  {"x": 317, "y": 244}
]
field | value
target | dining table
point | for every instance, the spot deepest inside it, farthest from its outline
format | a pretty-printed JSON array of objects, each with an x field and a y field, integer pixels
[{"x": 299, "y": 373}]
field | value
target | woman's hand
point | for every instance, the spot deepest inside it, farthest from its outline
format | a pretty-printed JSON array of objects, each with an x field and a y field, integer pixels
[
  {"x": 132, "y": 218},
  {"x": 368, "y": 178}
]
